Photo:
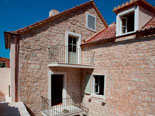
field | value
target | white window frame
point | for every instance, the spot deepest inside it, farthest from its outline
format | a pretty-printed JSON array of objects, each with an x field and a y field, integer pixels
[
  {"x": 93, "y": 88},
  {"x": 67, "y": 34},
  {"x": 134, "y": 9},
  {"x": 87, "y": 21}
]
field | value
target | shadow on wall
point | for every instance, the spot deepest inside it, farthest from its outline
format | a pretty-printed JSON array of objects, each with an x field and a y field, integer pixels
[
  {"x": 30, "y": 111},
  {"x": 2, "y": 97},
  {"x": 7, "y": 110}
]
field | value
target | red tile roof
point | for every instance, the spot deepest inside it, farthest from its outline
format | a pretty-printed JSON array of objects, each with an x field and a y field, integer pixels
[
  {"x": 131, "y": 3},
  {"x": 104, "y": 34},
  {"x": 4, "y": 59},
  {"x": 150, "y": 24},
  {"x": 110, "y": 32}
]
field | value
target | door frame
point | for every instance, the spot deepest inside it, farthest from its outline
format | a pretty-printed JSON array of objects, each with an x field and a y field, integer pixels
[
  {"x": 64, "y": 91},
  {"x": 67, "y": 34}
]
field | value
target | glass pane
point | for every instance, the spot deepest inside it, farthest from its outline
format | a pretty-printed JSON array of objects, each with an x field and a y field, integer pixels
[
  {"x": 96, "y": 80},
  {"x": 70, "y": 48},
  {"x": 123, "y": 29},
  {"x": 124, "y": 22},
  {"x": 96, "y": 88},
  {"x": 101, "y": 84},
  {"x": 74, "y": 48},
  {"x": 70, "y": 40},
  {"x": 74, "y": 41}
]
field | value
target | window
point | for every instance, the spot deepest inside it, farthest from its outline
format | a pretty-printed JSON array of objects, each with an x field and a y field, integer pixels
[
  {"x": 2, "y": 64},
  {"x": 95, "y": 85},
  {"x": 127, "y": 23},
  {"x": 72, "y": 44},
  {"x": 73, "y": 50},
  {"x": 90, "y": 22},
  {"x": 99, "y": 85}
]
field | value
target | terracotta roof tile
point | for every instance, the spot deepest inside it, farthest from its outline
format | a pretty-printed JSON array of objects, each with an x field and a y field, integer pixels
[
  {"x": 104, "y": 34},
  {"x": 3, "y": 59},
  {"x": 150, "y": 24},
  {"x": 131, "y": 3}
]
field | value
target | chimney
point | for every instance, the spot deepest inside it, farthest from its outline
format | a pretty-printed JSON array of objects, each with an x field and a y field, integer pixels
[{"x": 53, "y": 12}]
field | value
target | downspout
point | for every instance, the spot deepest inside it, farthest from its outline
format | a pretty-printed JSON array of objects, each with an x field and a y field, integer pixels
[{"x": 16, "y": 66}]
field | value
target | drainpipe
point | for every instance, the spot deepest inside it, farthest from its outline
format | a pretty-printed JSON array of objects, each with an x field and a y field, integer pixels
[{"x": 16, "y": 66}]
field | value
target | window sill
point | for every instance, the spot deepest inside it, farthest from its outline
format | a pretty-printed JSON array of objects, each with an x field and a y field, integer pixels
[
  {"x": 99, "y": 97},
  {"x": 126, "y": 33},
  {"x": 93, "y": 30}
]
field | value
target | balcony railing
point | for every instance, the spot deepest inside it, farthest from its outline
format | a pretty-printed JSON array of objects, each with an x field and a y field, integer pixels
[
  {"x": 69, "y": 106},
  {"x": 65, "y": 54}
]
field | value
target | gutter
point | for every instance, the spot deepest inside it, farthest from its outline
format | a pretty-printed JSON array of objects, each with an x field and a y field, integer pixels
[{"x": 16, "y": 66}]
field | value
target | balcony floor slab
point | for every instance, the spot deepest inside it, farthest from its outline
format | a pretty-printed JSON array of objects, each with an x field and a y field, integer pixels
[{"x": 71, "y": 65}]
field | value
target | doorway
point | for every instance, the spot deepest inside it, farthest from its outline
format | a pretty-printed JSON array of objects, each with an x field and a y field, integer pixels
[{"x": 56, "y": 89}]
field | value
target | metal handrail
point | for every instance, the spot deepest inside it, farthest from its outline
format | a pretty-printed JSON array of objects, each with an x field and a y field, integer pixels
[
  {"x": 71, "y": 55},
  {"x": 68, "y": 106}
]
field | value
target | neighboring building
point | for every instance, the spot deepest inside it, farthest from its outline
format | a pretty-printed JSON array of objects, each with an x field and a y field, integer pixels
[
  {"x": 4, "y": 79},
  {"x": 4, "y": 62},
  {"x": 82, "y": 66}
]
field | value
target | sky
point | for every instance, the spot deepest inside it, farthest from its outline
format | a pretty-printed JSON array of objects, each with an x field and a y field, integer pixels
[{"x": 16, "y": 14}]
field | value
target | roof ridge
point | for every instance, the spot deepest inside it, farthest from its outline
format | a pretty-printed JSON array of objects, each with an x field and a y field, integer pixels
[
  {"x": 49, "y": 18},
  {"x": 63, "y": 13}
]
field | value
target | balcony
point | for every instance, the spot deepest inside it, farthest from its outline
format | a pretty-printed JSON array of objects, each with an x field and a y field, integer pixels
[
  {"x": 69, "y": 107},
  {"x": 64, "y": 56}
]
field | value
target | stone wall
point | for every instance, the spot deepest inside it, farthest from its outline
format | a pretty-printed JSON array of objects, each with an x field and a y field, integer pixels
[
  {"x": 129, "y": 66},
  {"x": 34, "y": 54}
]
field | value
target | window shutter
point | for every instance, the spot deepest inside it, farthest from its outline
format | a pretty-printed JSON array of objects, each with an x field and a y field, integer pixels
[
  {"x": 91, "y": 22},
  {"x": 88, "y": 84}
]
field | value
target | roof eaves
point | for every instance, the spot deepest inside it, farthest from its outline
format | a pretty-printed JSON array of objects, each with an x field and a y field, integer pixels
[
  {"x": 99, "y": 14},
  {"x": 60, "y": 14},
  {"x": 150, "y": 31},
  {"x": 63, "y": 13}
]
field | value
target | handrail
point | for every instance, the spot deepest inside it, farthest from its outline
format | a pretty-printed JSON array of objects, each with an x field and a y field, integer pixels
[
  {"x": 67, "y": 107},
  {"x": 70, "y": 55}
]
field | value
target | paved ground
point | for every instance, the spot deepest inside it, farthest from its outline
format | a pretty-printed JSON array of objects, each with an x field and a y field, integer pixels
[{"x": 13, "y": 109}]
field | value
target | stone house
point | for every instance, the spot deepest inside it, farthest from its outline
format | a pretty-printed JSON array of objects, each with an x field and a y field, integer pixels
[{"x": 73, "y": 63}]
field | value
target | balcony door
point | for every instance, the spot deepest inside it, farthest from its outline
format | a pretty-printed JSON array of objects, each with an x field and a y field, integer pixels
[
  {"x": 73, "y": 42},
  {"x": 72, "y": 50}
]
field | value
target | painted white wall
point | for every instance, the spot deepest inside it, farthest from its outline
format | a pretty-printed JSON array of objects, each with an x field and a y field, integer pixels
[
  {"x": 5, "y": 81},
  {"x": 12, "y": 69},
  {"x": 144, "y": 16}
]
